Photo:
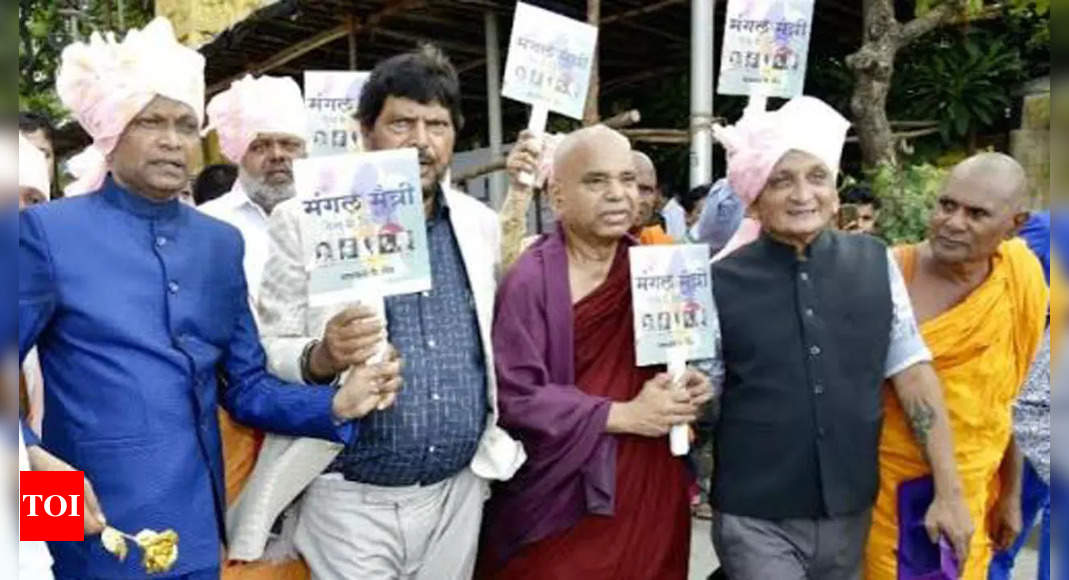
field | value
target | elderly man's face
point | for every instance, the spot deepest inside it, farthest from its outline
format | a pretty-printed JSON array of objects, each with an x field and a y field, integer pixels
[
  {"x": 595, "y": 190},
  {"x": 971, "y": 219},
  {"x": 269, "y": 158},
  {"x": 40, "y": 141},
  {"x": 153, "y": 153},
  {"x": 649, "y": 195},
  {"x": 799, "y": 199},
  {"x": 427, "y": 127}
]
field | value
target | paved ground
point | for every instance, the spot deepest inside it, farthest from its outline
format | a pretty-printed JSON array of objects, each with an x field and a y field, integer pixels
[{"x": 703, "y": 559}]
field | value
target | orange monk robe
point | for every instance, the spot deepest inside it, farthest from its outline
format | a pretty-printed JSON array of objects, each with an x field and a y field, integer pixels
[
  {"x": 654, "y": 236},
  {"x": 981, "y": 349},
  {"x": 241, "y": 446}
]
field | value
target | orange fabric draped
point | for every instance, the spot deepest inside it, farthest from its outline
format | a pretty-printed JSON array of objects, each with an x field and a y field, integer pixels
[
  {"x": 982, "y": 348},
  {"x": 654, "y": 236},
  {"x": 241, "y": 446}
]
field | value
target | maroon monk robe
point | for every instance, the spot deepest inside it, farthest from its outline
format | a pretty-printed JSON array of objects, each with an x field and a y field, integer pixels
[{"x": 645, "y": 532}]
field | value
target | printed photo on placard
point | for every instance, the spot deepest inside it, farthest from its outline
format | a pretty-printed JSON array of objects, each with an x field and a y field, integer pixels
[
  {"x": 549, "y": 60},
  {"x": 362, "y": 225},
  {"x": 766, "y": 43},
  {"x": 671, "y": 290},
  {"x": 331, "y": 98}
]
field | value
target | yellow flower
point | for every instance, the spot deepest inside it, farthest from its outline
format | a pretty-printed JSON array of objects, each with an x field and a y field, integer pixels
[
  {"x": 114, "y": 542},
  {"x": 160, "y": 550}
]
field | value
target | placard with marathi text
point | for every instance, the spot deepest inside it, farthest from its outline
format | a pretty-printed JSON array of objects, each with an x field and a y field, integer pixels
[
  {"x": 362, "y": 226},
  {"x": 672, "y": 296},
  {"x": 549, "y": 60},
  {"x": 766, "y": 43},
  {"x": 331, "y": 98}
]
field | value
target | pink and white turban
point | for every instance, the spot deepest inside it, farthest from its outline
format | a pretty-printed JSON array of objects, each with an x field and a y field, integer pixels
[
  {"x": 256, "y": 105},
  {"x": 106, "y": 83},
  {"x": 33, "y": 167},
  {"x": 757, "y": 142}
]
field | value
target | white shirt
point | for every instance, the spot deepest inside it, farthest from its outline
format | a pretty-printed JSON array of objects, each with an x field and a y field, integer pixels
[
  {"x": 675, "y": 220},
  {"x": 238, "y": 210}
]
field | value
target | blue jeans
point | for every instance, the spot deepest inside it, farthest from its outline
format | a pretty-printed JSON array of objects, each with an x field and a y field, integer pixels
[{"x": 1035, "y": 499}]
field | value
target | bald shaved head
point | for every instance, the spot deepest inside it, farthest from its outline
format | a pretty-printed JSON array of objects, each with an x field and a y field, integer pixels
[
  {"x": 643, "y": 163},
  {"x": 649, "y": 194},
  {"x": 593, "y": 187},
  {"x": 1002, "y": 176},
  {"x": 983, "y": 203},
  {"x": 577, "y": 145}
]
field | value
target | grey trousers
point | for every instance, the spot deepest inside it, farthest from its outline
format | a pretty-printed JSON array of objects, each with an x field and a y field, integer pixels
[
  {"x": 348, "y": 530},
  {"x": 802, "y": 549}
]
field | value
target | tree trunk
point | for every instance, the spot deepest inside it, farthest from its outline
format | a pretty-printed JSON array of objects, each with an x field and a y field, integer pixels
[
  {"x": 874, "y": 64},
  {"x": 873, "y": 67},
  {"x": 590, "y": 112}
]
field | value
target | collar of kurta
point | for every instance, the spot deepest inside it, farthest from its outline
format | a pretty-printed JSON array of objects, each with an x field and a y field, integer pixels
[
  {"x": 138, "y": 205},
  {"x": 788, "y": 252},
  {"x": 238, "y": 198}
]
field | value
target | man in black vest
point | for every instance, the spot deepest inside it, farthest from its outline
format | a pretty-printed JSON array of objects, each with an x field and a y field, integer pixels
[{"x": 812, "y": 323}]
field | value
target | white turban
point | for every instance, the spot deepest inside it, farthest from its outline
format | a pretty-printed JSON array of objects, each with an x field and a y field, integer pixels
[
  {"x": 106, "y": 83},
  {"x": 256, "y": 105},
  {"x": 33, "y": 167},
  {"x": 757, "y": 142}
]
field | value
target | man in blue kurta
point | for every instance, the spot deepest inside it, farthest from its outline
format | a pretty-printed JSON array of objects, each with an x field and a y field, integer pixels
[{"x": 137, "y": 303}]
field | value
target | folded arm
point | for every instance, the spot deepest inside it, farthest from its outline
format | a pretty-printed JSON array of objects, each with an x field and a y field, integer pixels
[{"x": 550, "y": 418}]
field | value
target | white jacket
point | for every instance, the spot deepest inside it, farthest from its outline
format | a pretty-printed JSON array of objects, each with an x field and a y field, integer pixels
[{"x": 287, "y": 323}]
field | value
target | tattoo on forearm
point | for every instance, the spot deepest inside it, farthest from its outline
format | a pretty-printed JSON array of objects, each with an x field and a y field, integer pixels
[{"x": 921, "y": 419}]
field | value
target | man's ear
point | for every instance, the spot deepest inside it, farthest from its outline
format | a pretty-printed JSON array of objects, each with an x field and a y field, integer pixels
[
  {"x": 1019, "y": 219},
  {"x": 555, "y": 196}
]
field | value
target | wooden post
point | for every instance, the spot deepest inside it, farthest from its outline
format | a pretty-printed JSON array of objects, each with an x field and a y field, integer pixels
[
  {"x": 498, "y": 183},
  {"x": 108, "y": 25},
  {"x": 352, "y": 42},
  {"x": 590, "y": 112}
]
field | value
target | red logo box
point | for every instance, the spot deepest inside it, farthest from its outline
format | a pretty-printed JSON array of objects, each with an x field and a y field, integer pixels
[{"x": 51, "y": 506}]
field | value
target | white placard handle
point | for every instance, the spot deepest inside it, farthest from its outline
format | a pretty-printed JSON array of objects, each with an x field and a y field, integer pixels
[
  {"x": 756, "y": 103},
  {"x": 679, "y": 436},
  {"x": 378, "y": 304},
  {"x": 537, "y": 125}
]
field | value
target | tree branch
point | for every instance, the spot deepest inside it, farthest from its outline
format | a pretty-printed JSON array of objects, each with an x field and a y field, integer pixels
[{"x": 935, "y": 18}]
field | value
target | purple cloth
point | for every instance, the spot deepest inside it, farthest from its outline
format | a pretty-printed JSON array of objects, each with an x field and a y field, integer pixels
[
  {"x": 918, "y": 557},
  {"x": 571, "y": 462}
]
